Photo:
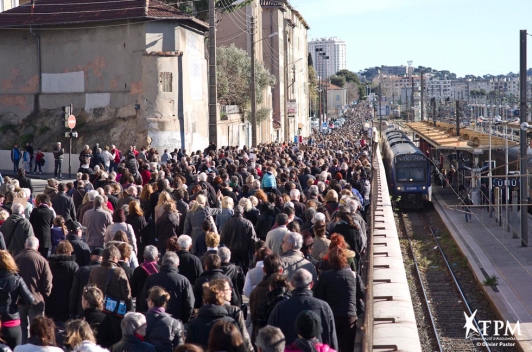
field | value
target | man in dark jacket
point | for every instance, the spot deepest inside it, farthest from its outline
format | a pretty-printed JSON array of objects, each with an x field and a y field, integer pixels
[
  {"x": 238, "y": 234},
  {"x": 16, "y": 229},
  {"x": 212, "y": 271},
  {"x": 233, "y": 271},
  {"x": 118, "y": 286},
  {"x": 181, "y": 304},
  {"x": 81, "y": 249},
  {"x": 285, "y": 313},
  {"x": 145, "y": 270},
  {"x": 42, "y": 218},
  {"x": 35, "y": 271},
  {"x": 63, "y": 204},
  {"x": 190, "y": 265},
  {"x": 78, "y": 193},
  {"x": 58, "y": 159},
  {"x": 24, "y": 182},
  {"x": 81, "y": 279}
]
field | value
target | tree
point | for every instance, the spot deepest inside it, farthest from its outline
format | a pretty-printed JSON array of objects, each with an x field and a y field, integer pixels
[
  {"x": 200, "y": 8},
  {"x": 313, "y": 87},
  {"x": 352, "y": 77},
  {"x": 353, "y": 93},
  {"x": 233, "y": 73},
  {"x": 309, "y": 60},
  {"x": 338, "y": 80}
]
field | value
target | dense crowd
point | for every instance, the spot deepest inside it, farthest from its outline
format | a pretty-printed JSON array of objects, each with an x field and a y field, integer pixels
[{"x": 225, "y": 249}]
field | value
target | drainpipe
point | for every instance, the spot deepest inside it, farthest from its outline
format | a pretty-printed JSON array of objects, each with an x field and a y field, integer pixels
[
  {"x": 180, "y": 110},
  {"x": 39, "y": 64}
]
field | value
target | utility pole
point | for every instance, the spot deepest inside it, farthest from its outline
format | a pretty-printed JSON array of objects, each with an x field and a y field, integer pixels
[
  {"x": 412, "y": 97},
  {"x": 422, "y": 102},
  {"x": 457, "y": 112},
  {"x": 523, "y": 114},
  {"x": 213, "y": 95},
  {"x": 253, "y": 89},
  {"x": 434, "y": 111},
  {"x": 380, "y": 110}
]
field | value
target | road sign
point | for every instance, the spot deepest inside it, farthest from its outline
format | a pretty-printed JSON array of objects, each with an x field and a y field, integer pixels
[{"x": 71, "y": 121}]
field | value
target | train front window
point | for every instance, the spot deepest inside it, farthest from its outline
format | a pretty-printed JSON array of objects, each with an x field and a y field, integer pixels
[{"x": 411, "y": 174}]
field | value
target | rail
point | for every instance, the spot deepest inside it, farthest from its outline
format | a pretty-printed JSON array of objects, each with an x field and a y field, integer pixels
[
  {"x": 424, "y": 289},
  {"x": 367, "y": 339}
]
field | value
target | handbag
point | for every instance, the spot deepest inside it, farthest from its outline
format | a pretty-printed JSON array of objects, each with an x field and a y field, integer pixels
[
  {"x": 112, "y": 305},
  {"x": 42, "y": 161}
]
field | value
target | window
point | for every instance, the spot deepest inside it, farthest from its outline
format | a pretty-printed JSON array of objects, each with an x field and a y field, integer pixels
[
  {"x": 411, "y": 174},
  {"x": 166, "y": 81}
]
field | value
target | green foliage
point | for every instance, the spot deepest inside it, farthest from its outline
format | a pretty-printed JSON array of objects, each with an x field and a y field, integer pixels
[
  {"x": 262, "y": 114},
  {"x": 338, "y": 80},
  {"x": 492, "y": 280},
  {"x": 7, "y": 127},
  {"x": 27, "y": 138},
  {"x": 309, "y": 60},
  {"x": 313, "y": 87},
  {"x": 43, "y": 130},
  {"x": 234, "y": 78},
  {"x": 477, "y": 93},
  {"x": 355, "y": 89},
  {"x": 200, "y": 8}
]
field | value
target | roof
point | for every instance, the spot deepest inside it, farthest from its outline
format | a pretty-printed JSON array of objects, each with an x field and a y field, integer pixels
[
  {"x": 57, "y": 12},
  {"x": 443, "y": 136},
  {"x": 334, "y": 87}
]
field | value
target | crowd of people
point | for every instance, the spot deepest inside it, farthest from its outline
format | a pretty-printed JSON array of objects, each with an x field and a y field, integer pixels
[{"x": 226, "y": 249}]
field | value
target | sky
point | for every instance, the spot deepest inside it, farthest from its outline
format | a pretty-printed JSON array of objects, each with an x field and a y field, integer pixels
[{"x": 475, "y": 37}]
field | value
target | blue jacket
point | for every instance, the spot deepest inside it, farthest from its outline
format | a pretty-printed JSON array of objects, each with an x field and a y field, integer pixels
[{"x": 268, "y": 180}]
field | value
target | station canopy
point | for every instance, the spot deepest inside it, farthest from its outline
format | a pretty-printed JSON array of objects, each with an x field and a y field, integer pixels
[{"x": 443, "y": 136}]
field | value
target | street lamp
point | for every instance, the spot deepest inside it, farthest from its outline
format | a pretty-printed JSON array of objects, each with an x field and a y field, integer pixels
[{"x": 253, "y": 89}]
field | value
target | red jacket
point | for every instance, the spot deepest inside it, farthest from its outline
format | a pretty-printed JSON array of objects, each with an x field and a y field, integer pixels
[{"x": 320, "y": 347}]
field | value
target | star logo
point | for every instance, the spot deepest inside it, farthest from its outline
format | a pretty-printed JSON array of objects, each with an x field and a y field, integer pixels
[{"x": 470, "y": 325}]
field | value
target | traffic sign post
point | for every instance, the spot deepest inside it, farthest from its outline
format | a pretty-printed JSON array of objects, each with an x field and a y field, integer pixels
[{"x": 71, "y": 121}]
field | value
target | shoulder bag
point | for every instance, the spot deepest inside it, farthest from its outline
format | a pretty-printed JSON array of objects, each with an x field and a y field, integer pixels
[{"x": 113, "y": 306}]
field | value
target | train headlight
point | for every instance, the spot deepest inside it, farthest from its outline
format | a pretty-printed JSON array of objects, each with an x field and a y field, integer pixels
[
  {"x": 424, "y": 187},
  {"x": 411, "y": 180},
  {"x": 398, "y": 188}
]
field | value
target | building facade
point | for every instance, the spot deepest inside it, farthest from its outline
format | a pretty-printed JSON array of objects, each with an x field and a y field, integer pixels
[
  {"x": 8, "y": 4},
  {"x": 130, "y": 81},
  {"x": 285, "y": 55},
  {"x": 336, "y": 101},
  {"x": 335, "y": 49}
]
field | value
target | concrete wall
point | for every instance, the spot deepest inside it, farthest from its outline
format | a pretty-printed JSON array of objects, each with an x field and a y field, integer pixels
[
  {"x": 6, "y": 164},
  {"x": 104, "y": 72}
]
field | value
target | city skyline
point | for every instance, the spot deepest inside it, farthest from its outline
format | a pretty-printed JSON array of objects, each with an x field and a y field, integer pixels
[{"x": 475, "y": 37}]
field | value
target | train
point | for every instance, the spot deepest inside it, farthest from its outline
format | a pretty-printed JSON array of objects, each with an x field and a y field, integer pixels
[{"x": 408, "y": 170}]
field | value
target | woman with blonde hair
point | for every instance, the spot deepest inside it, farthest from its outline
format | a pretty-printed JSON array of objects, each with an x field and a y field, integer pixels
[
  {"x": 164, "y": 198},
  {"x": 163, "y": 331},
  {"x": 80, "y": 338},
  {"x": 213, "y": 310},
  {"x": 15, "y": 286},
  {"x": 226, "y": 214},
  {"x": 199, "y": 212}
]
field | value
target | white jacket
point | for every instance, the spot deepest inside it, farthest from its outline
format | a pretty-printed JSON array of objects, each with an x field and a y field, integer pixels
[{"x": 87, "y": 346}]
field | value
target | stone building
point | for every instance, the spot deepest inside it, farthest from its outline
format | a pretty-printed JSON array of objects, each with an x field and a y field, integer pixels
[{"x": 135, "y": 71}]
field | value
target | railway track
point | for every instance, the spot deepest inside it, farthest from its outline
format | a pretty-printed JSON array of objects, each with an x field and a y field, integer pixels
[{"x": 439, "y": 290}]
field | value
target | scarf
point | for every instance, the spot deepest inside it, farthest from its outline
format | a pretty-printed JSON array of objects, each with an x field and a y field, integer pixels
[
  {"x": 306, "y": 345},
  {"x": 157, "y": 310},
  {"x": 149, "y": 267}
]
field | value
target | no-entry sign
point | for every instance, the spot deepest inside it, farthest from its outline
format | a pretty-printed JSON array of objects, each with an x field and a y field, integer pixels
[{"x": 71, "y": 121}]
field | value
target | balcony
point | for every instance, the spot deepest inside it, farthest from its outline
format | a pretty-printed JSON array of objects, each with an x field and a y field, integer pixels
[{"x": 226, "y": 110}]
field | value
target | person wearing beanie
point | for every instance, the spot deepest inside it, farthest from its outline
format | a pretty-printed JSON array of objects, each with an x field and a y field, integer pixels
[
  {"x": 284, "y": 315},
  {"x": 308, "y": 328}
]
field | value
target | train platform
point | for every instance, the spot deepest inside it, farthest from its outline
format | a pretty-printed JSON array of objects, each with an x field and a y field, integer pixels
[{"x": 492, "y": 250}]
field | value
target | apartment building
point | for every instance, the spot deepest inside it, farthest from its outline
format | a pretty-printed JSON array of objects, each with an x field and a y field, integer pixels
[{"x": 335, "y": 49}]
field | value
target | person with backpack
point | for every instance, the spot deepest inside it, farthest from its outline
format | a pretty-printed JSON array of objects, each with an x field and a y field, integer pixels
[{"x": 12, "y": 288}]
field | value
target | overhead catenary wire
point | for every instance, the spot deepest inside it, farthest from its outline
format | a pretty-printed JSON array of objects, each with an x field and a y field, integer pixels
[{"x": 523, "y": 213}]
